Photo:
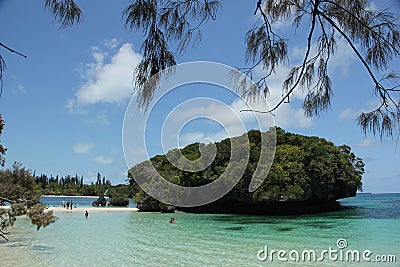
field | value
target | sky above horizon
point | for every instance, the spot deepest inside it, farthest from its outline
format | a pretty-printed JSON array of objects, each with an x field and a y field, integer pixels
[{"x": 64, "y": 105}]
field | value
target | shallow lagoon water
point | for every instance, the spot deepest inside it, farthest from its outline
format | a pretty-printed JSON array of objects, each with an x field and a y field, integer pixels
[{"x": 109, "y": 238}]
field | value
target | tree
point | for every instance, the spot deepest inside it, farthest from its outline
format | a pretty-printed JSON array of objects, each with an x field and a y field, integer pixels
[
  {"x": 98, "y": 182},
  {"x": 17, "y": 186},
  {"x": 65, "y": 12},
  {"x": 2, "y": 149},
  {"x": 170, "y": 26},
  {"x": 373, "y": 35}
]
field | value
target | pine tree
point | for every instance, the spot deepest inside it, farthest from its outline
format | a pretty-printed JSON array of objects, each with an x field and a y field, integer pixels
[{"x": 372, "y": 35}]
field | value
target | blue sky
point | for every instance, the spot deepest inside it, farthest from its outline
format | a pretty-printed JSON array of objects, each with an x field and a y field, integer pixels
[{"x": 64, "y": 105}]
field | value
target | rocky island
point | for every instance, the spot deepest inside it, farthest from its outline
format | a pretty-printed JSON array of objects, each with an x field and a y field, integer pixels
[{"x": 308, "y": 175}]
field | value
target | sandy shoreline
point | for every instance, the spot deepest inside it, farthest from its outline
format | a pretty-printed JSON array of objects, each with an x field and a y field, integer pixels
[
  {"x": 57, "y": 196},
  {"x": 82, "y": 209},
  {"x": 94, "y": 209}
]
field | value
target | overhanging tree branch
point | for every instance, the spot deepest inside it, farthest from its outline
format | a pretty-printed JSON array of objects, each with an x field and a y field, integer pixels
[
  {"x": 303, "y": 66},
  {"x": 3, "y": 64},
  {"x": 360, "y": 57},
  {"x": 373, "y": 35},
  {"x": 366, "y": 26},
  {"x": 12, "y": 50}
]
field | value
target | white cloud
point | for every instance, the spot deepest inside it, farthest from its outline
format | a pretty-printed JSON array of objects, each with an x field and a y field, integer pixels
[
  {"x": 103, "y": 160},
  {"x": 230, "y": 118},
  {"x": 106, "y": 82},
  {"x": 343, "y": 58},
  {"x": 111, "y": 44},
  {"x": 216, "y": 121},
  {"x": 231, "y": 123},
  {"x": 83, "y": 148},
  {"x": 190, "y": 138},
  {"x": 341, "y": 61},
  {"x": 20, "y": 89},
  {"x": 292, "y": 114},
  {"x": 288, "y": 114},
  {"x": 89, "y": 177},
  {"x": 70, "y": 104},
  {"x": 349, "y": 113},
  {"x": 365, "y": 143}
]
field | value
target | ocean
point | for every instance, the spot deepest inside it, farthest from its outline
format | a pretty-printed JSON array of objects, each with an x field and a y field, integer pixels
[{"x": 366, "y": 233}]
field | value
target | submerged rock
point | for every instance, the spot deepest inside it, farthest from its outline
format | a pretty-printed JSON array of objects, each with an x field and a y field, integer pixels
[{"x": 273, "y": 208}]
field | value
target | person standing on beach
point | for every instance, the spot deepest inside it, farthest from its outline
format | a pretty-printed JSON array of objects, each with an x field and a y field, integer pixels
[
  {"x": 71, "y": 204},
  {"x": 86, "y": 214},
  {"x": 63, "y": 203},
  {"x": 68, "y": 204}
]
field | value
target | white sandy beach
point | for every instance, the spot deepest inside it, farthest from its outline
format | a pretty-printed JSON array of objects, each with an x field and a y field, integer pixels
[
  {"x": 62, "y": 196},
  {"x": 79, "y": 209},
  {"x": 93, "y": 209}
]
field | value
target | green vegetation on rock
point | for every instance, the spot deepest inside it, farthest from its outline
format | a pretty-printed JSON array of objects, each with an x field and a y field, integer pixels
[{"x": 308, "y": 174}]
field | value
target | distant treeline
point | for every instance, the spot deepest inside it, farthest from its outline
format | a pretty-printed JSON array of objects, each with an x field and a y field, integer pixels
[{"x": 75, "y": 186}]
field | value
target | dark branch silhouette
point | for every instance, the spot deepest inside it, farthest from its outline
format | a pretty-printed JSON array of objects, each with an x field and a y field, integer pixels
[
  {"x": 12, "y": 50},
  {"x": 170, "y": 27}
]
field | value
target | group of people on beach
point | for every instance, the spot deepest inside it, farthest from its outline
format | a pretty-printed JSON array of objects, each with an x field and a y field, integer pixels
[{"x": 67, "y": 204}]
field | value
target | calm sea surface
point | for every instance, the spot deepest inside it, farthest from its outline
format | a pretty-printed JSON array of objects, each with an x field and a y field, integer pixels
[{"x": 148, "y": 239}]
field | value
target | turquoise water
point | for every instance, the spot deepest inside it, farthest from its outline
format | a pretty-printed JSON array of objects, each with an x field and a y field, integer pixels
[
  {"x": 79, "y": 202},
  {"x": 148, "y": 239}
]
